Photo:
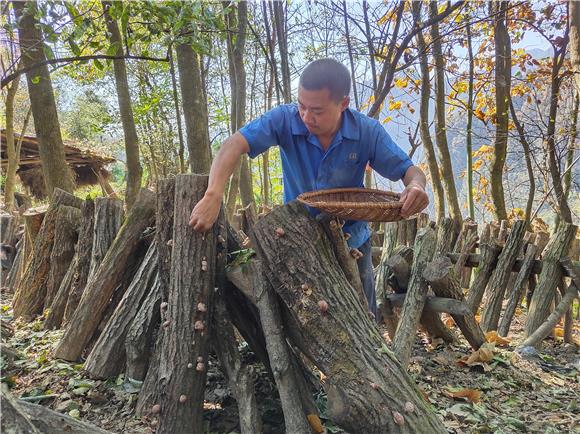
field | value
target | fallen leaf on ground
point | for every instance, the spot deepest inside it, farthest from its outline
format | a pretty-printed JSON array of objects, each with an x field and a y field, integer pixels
[
  {"x": 558, "y": 332},
  {"x": 315, "y": 423},
  {"x": 483, "y": 355},
  {"x": 494, "y": 338},
  {"x": 471, "y": 395}
]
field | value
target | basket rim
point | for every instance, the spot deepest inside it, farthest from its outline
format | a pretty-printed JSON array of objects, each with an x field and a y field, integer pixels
[{"x": 305, "y": 198}]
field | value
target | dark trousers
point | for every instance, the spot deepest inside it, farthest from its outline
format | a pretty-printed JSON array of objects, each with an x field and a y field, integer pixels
[{"x": 367, "y": 275}]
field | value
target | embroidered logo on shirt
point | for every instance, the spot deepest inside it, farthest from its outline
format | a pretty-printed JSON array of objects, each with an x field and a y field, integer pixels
[{"x": 352, "y": 156}]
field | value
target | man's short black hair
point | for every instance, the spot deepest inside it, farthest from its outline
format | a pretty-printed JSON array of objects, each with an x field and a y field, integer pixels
[{"x": 327, "y": 74}]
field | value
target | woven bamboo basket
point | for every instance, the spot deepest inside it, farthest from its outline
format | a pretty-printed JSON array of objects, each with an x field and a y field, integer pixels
[{"x": 356, "y": 203}]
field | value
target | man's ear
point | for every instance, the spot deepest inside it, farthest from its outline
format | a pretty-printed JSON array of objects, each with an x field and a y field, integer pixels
[{"x": 344, "y": 103}]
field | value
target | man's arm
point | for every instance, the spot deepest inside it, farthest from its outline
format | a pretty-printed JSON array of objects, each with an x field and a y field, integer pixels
[
  {"x": 414, "y": 197},
  {"x": 206, "y": 211}
]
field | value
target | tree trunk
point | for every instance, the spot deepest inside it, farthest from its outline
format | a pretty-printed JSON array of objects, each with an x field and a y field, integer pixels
[
  {"x": 65, "y": 238},
  {"x": 11, "y": 154},
  {"x": 107, "y": 358},
  {"x": 194, "y": 108},
  {"x": 181, "y": 152},
  {"x": 440, "y": 127},
  {"x": 549, "y": 278},
  {"x": 442, "y": 277},
  {"x": 424, "y": 121},
  {"x": 56, "y": 172},
  {"x": 279, "y": 24},
  {"x": 81, "y": 262},
  {"x": 134, "y": 170},
  {"x": 500, "y": 276},
  {"x": 101, "y": 287},
  {"x": 517, "y": 290},
  {"x": 107, "y": 222},
  {"x": 29, "y": 299},
  {"x": 574, "y": 14},
  {"x": 469, "y": 126},
  {"x": 367, "y": 393},
  {"x": 503, "y": 67},
  {"x": 447, "y": 233}
]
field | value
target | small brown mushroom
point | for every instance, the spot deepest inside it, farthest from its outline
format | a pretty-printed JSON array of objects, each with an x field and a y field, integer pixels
[
  {"x": 182, "y": 398},
  {"x": 156, "y": 409},
  {"x": 189, "y": 365},
  {"x": 170, "y": 243},
  {"x": 164, "y": 305},
  {"x": 398, "y": 418},
  {"x": 375, "y": 386},
  {"x": 280, "y": 232},
  {"x": 409, "y": 407},
  {"x": 203, "y": 265},
  {"x": 166, "y": 323},
  {"x": 200, "y": 359},
  {"x": 323, "y": 306},
  {"x": 201, "y": 307},
  {"x": 200, "y": 367},
  {"x": 199, "y": 325}
]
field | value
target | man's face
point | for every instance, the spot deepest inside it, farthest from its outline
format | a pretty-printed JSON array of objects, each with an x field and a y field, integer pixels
[{"x": 319, "y": 112}]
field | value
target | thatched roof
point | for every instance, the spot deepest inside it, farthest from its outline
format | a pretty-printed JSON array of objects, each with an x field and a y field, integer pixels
[{"x": 85, "y": 164}]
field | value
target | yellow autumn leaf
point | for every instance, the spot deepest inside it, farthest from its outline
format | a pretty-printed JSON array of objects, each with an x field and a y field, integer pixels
[
  {"x": 558, "y": 332},
  {"x": 477, "y": 164},
  {"x": 387, "y": 120},
  {"x": 395, "y": 105},
  {"x": 471, "y": 395},
  {"x": 401, "y": 83}
]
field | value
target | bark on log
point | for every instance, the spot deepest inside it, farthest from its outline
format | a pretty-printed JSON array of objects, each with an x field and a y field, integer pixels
[
  {"x": 108, "y": 220},
  {"x": 433, "y": 304},
  {"x": 107, "y": 358},
  {"x": 140, "y": 340},
  {"x": 550, "y": 277},
  {"x": 101, "y": 287},
  {"x": 20, "y": 417},
  {"x": 443, "y": 280},
  {"x": 164, "y": 231},
  {"x": 29, "y": 299},
  {"x": 33, "y": 218},
  {"x": 382, "y": 270},
  {"x": 82, "y": 260},
  {"x": 490, "y": 251},
  {"x": 284, "y": 374},
  {"x": 15, "y": 274},
  {"x": 65, "y": 238},
  {"x": 367, "y": 393},
  {"x": 447, "y": 233},
  {"x": 573, "y": 269},
  {"x": 186, "y": 338},
  {"x": 548, "y": 325},
  {"x": 240, "y": 377},
  {"x": 9, "y": 224},
  {"x": 517, "y": 291},
  {"x": 500, "y": 276},
  {"x": 416, "y": 294}
]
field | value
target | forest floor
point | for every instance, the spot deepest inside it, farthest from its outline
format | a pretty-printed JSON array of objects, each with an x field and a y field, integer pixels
[{"x": 501, "y": 392}]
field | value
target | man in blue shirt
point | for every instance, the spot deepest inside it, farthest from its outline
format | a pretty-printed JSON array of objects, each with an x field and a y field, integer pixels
[{"x": 323, "y": 144}]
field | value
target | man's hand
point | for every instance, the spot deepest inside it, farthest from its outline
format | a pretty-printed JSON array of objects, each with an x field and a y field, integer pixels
[
  {"x": 205, "y": 213},
  {"x": 414, "y": 200}
]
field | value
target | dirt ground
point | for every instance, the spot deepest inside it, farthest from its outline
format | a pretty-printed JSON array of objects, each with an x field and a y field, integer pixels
[{"x": 504, "y": 392}]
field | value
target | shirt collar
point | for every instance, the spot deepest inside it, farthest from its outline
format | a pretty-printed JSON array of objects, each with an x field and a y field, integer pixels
[{"x": 349, "y": 128}]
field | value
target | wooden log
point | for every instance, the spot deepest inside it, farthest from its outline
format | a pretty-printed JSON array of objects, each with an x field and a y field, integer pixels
[
  {"x": 81, "y": 262},
  {"x": 33, "y": 218},
  {"x": 517, "y": 291},
  {"x": 500, "y": 276},
  {"x": 139, "y": 362},
  {"x": 15, "y": 274},
  {"x": 365, "y": 393},
  {"x": 65, "y": 238},
  {"x": 29, "y": 299},
  {"x": 190, "y": 305},
  {"x": 548, "y": 325},
  {"x": 490, "y": 251},
  {"x": 107, "y": 358},
  {"x": 140, "y": 339},
  {"x": 573, "y": 269},
  {"x": 447, "y": 233},
  {"x": 443, "y": 280},
  {"x": 239, "y": 375},
  {"x": 9, "y": 224},
  {"x": 347, "y": 262},
  {"x": 433, "y": 304},
  {"x": 280, "y": 360},
  {"x": 108, "y": 220},
  {"x": 20, "y": 417},
  {"x": 416, "y": 294},
  {"x": 103, "y": 283},
  {"x": 549, "y": 278},
  {"x": 382, "y": 270}
]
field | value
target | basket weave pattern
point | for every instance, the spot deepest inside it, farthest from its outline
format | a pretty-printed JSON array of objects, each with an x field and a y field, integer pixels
[{"x": 356, "y": 203}]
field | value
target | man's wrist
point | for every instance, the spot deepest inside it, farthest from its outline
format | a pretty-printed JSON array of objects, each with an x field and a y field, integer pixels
[
  {"x": 416, "y": 184},
  {"x": 212, "y": 194}
]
